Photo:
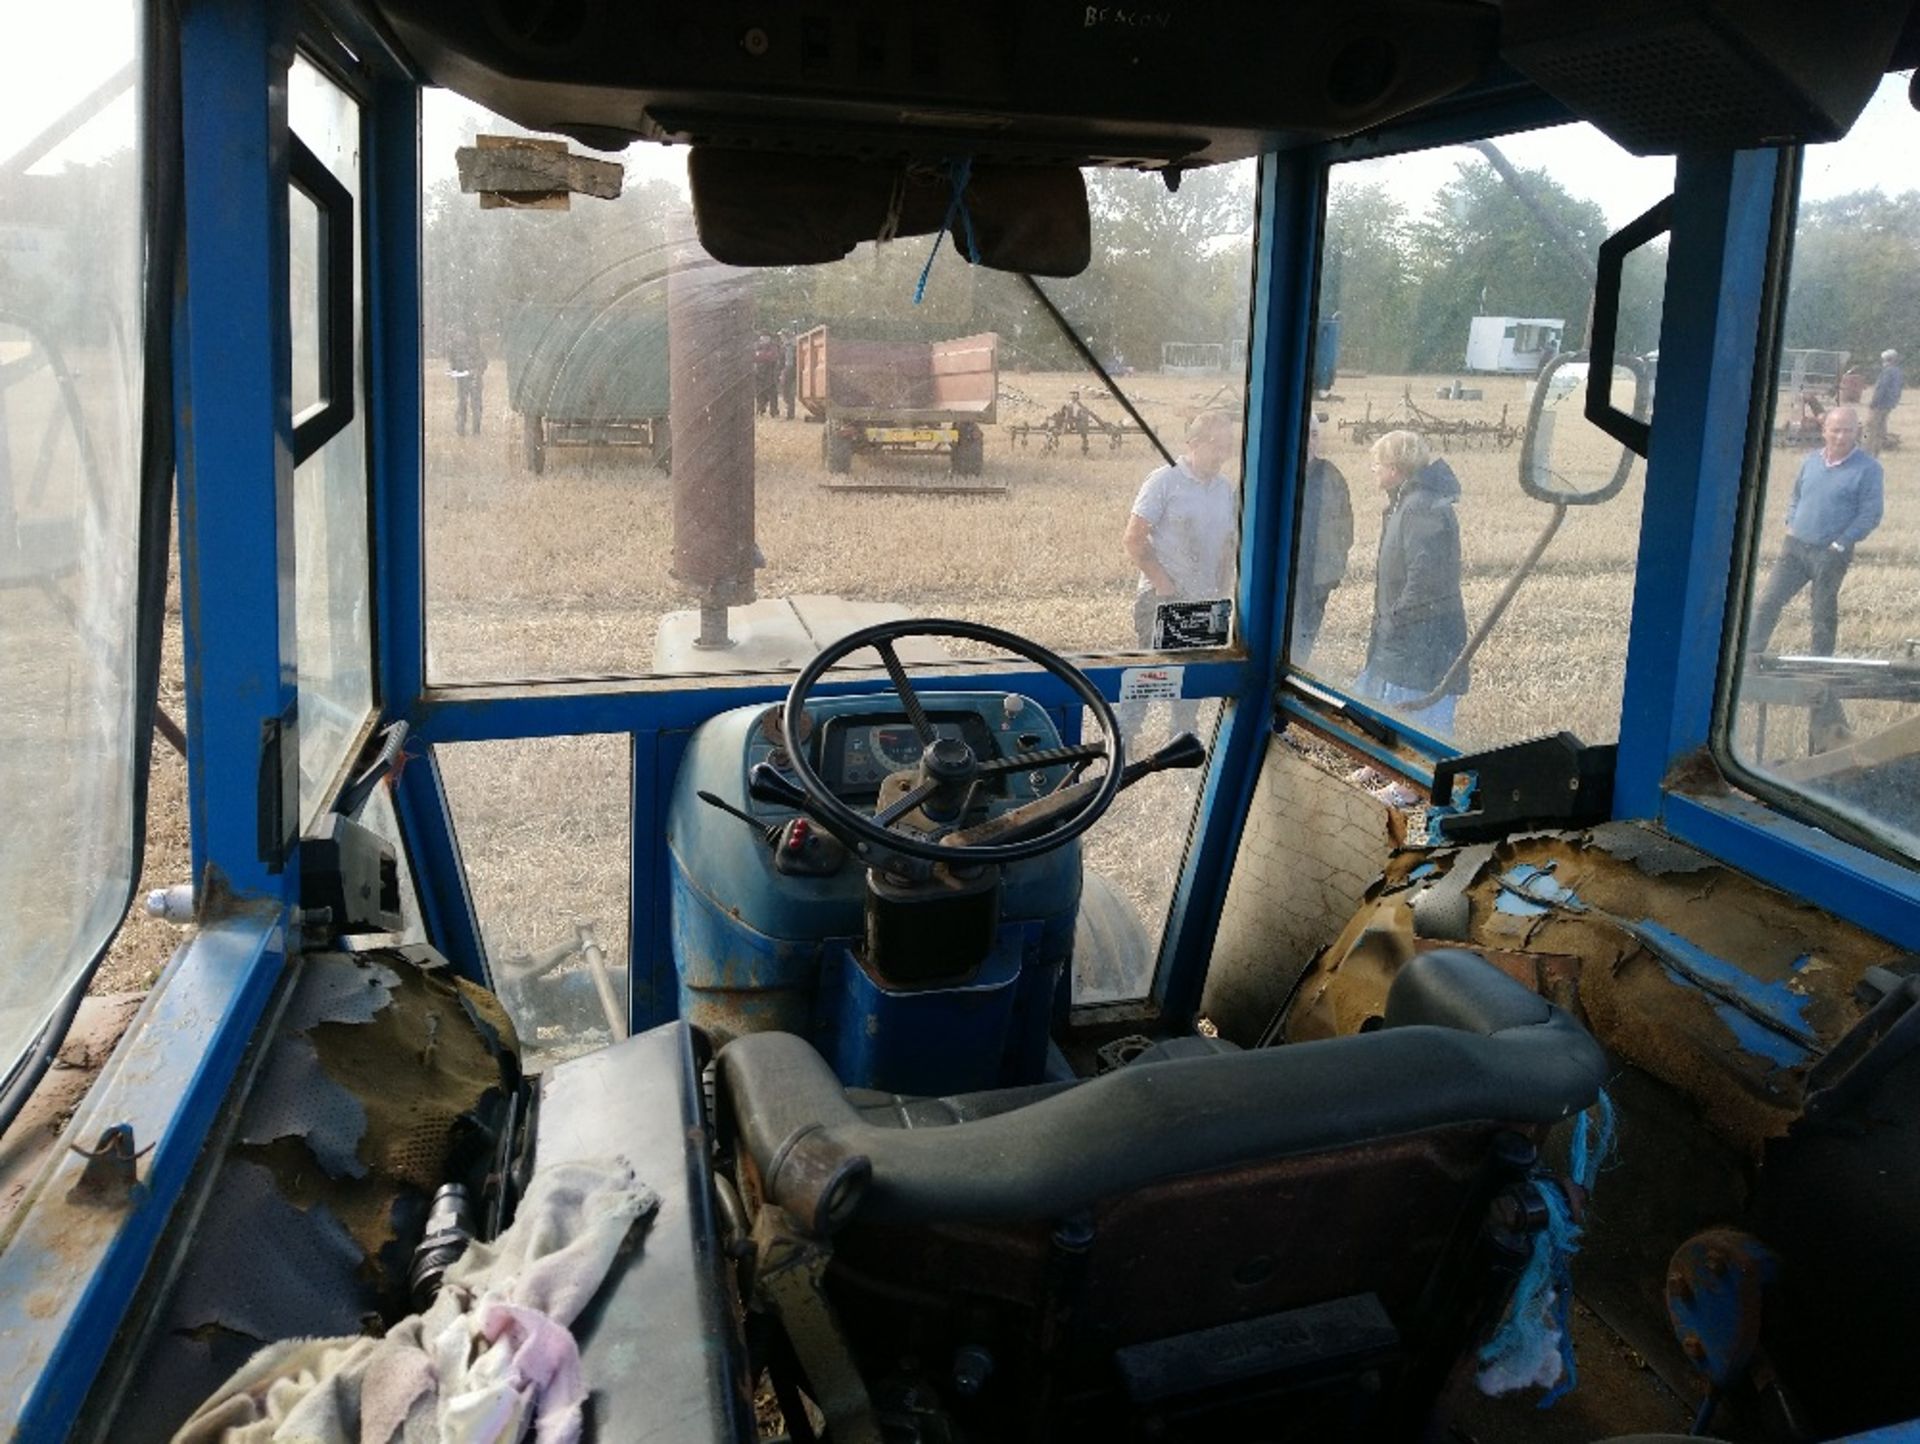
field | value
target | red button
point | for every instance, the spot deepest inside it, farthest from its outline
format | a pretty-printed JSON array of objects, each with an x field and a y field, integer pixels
[{"x": 797, "y": 834}]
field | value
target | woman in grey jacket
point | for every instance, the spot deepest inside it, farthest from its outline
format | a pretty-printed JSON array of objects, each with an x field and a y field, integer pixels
[{"x": 1419, "y": 619}]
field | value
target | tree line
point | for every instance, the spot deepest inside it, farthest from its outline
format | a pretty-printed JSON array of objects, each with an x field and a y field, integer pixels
[
  {"x": 1407, "y": 286},
  {"x": 1165, "y": 267}
]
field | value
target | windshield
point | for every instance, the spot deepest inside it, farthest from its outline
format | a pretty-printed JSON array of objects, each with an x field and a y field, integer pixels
[
  {"x": 620, "y": 432},
  {"x": 70, "y": 377}
]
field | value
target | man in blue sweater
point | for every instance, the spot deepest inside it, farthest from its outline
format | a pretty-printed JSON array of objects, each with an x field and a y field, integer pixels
[{"x": 1836, "y": 504}]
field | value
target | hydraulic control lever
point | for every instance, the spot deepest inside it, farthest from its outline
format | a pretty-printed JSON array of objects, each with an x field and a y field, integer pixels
[
  {"x": 769, "y": 831},
  {"x": 1185, "y": 750},
  {"x": 769, "y": 784}
]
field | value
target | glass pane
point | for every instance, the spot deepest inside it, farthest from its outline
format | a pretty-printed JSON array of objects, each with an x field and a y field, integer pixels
[
  {"x": 1450, "y": 280},
  {"x": 1135, "y": 852},
  {"x": 70, "y": 397},
  {"x": 545, "y": 839},
  {"x": 332, "y": 608},
  {"x": 303, "y": 298},
  {"x": 871, "y": 457},
  {"x": 1827, "y": 693}
]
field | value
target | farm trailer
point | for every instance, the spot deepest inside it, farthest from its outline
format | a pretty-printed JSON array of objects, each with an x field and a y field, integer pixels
[
  {"x": 588, "y": 373},
  {"x": 900, "y": 396}
]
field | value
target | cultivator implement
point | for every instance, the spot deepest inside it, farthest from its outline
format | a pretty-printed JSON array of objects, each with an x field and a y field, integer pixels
[
  {"x": 1076, "y": 418},
  {"x": 1443, "y": 433}
]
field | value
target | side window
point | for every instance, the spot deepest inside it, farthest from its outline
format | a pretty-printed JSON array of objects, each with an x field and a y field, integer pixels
[
  {"x": 1449, "y": 279},
  {"x": 332, "y": 606},
  {"x": 71, "y": 374},
  {"x": 1824, "y": 711}
]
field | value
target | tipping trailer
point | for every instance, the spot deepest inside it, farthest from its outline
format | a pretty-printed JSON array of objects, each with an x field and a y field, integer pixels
[
  {"x": 900, "y": 396},
  {"x": 587, "y": 372}
]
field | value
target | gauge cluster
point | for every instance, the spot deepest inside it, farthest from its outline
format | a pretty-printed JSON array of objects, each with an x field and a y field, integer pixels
[
  {"x": 855, "y": 743},
  {"x": 858, "y": 753}
]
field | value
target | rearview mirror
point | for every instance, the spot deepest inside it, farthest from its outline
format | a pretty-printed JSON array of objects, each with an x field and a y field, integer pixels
[
  {"x": 762, "y": 209},
  {"x": 1564, "y": 458}
]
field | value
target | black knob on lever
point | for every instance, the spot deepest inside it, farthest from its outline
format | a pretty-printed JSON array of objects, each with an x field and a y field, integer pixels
[
  {"x": 1186, "y": 750},
  {"x": 769, "y": 785},
  {"x": 766, "y": 783}
]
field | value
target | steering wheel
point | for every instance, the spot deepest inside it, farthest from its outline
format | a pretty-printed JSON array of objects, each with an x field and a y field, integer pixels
[{"x": 948, "y": 766}]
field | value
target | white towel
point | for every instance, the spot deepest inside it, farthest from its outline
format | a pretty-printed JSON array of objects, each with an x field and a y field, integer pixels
[{"x": 493, "y": 1353}]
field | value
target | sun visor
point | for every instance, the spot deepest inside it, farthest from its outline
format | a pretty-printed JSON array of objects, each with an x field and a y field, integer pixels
[{"x": 756, "y": 209}]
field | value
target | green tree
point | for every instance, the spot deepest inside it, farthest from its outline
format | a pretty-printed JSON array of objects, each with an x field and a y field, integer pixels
[
  {"x": 1855, "y": 282},
  {"x": 1366, "y": 276},
  {"x": 1482, "y": 250},
  {"x": 1165, "y": 266}
]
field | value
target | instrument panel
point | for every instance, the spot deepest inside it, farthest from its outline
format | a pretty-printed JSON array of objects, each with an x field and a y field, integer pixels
[
  {"x": 856, "y": 743},
  {"x": 858, "y": 753}
]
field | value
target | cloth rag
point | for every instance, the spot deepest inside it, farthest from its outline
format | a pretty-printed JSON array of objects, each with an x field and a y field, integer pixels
[{"x": 492, "y": 1355}]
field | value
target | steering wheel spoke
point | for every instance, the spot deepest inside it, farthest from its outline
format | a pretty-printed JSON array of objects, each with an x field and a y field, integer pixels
[
  {"x": 905, "y": 803},
  {"x": 909, "y": 699}
]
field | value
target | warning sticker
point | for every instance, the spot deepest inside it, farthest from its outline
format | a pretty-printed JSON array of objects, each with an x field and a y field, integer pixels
[
  {"x": 1151, "y": 684},
  {"x": 1178, "y": 626}
]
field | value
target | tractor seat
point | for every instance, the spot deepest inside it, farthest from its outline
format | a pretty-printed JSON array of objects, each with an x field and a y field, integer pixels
[
  {"x": 1194, "y": 1236},
  {"x": 1461, "y": 1043}
]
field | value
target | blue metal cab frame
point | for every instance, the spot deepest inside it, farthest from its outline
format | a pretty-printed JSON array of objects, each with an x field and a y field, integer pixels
[{"x": 65, "y": 1293}]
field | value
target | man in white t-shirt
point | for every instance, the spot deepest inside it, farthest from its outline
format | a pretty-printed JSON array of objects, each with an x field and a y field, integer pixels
[{"x": 1184, "y": 532}]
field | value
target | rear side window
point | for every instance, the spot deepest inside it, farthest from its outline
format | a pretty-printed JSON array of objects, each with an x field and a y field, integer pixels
[{"x": 1822, "y": 711}]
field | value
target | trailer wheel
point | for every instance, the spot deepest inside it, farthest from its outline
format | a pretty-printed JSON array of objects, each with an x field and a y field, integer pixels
[
  {"x": 969, "y": 450},
  {"x": 533, "y": 452},
  {"x": 837, "y": 448}
]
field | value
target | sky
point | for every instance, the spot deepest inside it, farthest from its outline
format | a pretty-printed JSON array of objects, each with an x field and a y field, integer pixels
[{"x": 1593, "y": 168}]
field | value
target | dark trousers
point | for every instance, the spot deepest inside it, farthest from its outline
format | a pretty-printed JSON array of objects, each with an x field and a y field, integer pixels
[
  {"x": 1876, "y": 438},
  {"x": 1802, "y": 564},
  {"x": 765, "y": 391},
  {"x": 1309, "y": 611},
  {"x": 466, "y": 398}
]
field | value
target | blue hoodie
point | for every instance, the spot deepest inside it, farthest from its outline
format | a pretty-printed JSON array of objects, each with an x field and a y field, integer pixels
[{"x": 1419, "y": 618}]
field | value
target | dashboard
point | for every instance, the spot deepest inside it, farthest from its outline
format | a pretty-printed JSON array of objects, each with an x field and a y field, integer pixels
[
  {"x": 856, "y": 743},
  {"x": 858, "y": 753}
]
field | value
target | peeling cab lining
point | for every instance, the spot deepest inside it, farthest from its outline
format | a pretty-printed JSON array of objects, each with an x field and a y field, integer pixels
[
  {"x": 384, "y": 1075},
  {"x": 1713, "y": 983}
]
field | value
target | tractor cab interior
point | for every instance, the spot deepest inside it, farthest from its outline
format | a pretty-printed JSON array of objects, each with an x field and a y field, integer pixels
[{"x": 1049, "y": 721}]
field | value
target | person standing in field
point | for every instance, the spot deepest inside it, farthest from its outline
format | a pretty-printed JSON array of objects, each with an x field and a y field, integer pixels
[
  {"x": 467, "y": 365},
  {"x": 1326, "y": 536},
  {"x": 789, "y": 377},
  {"x": 1887, "y": 387},
  {"x": 766, "y": 374},
  {"x": 1419, "y": 617},
  {"x": 1183, "y": 534},
  {"x": 1837, "y": 500}
]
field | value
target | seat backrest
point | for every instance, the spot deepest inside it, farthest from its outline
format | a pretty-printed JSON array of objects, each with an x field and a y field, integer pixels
[{"x": 1462, "y": 1044}]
